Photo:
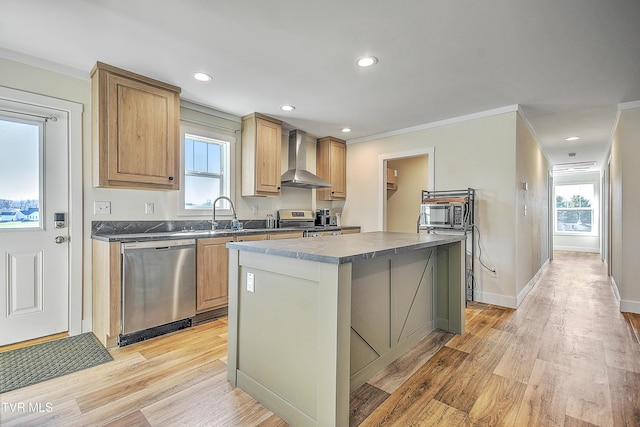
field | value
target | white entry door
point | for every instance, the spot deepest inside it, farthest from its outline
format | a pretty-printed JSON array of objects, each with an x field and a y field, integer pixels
[{"x": 34, "y": 268}]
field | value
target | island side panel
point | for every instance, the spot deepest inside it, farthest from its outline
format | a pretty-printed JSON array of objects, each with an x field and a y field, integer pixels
[
  {"x": 232, "y": 318},
  {"x": 450, "y": 289},
  {"x": 291, "y": 336},
  {"x": 392, "y": 309}
]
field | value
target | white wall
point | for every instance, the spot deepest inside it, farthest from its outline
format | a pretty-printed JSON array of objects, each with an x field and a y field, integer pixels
[
  {"x": 478, "y": 153},
  {"x": 580, "y": 243},
  {"x": 625, "y": 176},
  {"x": 532, "y": 210}
]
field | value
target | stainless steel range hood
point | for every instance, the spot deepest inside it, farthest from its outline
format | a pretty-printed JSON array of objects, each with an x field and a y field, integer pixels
[{"x": 298, "y": 175}]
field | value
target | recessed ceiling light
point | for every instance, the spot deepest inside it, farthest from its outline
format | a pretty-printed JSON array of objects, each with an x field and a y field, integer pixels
[
  {"x": 287, "y": 108},
  {"x": 203, "y": 77},
  {"x": 345, "y": 130},
  {"x": 367, "y": 61},
  {"x": 572, "y": 138}
]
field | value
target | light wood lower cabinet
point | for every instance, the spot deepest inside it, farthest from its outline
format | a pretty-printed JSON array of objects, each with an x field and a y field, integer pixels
[
  {"x": 287, "y": 235},
  {"x": 106, "y": 291},
  {"x": 212, "y": 271},
  {"x": 350, "y": 231}
]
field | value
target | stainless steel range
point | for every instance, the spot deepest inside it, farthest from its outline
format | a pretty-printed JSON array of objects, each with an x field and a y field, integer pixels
[{"x": 305, "y": 220}]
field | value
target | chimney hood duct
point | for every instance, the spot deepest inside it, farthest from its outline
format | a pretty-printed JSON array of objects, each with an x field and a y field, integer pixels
[{"x": 298, "y": 175}]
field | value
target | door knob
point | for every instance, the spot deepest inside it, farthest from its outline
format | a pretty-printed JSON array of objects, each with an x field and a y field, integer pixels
[{"x": 60, "y": 239}]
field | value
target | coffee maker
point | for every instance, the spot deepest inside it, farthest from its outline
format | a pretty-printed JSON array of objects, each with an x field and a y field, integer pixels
[{"x": 323, "y": 217}]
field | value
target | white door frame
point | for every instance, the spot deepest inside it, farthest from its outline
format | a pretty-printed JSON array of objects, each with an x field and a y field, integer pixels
[
  {"x": 74, "y": 113},
  {"x": 382, "y": 185}
]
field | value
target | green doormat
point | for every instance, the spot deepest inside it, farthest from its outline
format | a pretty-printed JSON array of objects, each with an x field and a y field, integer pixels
[{"x": 31, "y": 365}]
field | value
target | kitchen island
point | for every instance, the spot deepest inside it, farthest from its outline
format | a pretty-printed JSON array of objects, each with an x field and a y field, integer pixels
[{"x": 312, "y": 319}]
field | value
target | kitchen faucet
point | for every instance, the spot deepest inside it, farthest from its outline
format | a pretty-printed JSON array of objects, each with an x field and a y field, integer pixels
[{"x": 213, "y": 208}]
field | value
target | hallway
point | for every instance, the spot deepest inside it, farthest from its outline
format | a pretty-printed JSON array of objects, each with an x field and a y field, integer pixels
[{"x": 567, "y": 356}]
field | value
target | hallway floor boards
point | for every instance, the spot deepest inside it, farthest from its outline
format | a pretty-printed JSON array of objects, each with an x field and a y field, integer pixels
[{"x": 566, "y": 357}]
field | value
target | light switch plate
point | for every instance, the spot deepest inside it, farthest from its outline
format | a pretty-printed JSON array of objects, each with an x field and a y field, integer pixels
[{"x": 251, "y": 286}]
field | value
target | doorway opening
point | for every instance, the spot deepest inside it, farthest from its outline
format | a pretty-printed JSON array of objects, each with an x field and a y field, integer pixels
[{"x": 403, "y": 177}]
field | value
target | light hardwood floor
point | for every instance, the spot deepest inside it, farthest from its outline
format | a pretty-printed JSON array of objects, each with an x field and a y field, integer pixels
[{"x": 565, "y": 357}]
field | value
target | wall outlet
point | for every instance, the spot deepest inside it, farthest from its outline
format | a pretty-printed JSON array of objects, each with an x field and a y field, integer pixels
[
  {"x": 102, "y": 208},
  {"x": 251, "y": 284},
  {"x": 254, "y": 209},
  {"x": 148, "y": 208},
  {"x": 494, "y": 273}
]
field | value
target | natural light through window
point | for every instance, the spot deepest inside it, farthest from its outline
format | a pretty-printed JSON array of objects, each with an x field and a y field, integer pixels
[
  {"x": 19, "y": 174},
  {"x": 575, "y": 205},
  {"x": 206, "y": 166}
]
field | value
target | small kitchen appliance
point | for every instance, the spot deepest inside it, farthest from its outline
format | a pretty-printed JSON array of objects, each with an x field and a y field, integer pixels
[
  {"x": 305, "y": 220},
  {"x": 444, "y": 215},
  {"x": 323, "y": 217}
]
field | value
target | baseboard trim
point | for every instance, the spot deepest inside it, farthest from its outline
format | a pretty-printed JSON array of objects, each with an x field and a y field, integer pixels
[
  {"x": 624, "y": 306},
  {"x": 616, "y": 292},
  {"x": 524, "y": 292},
  {"x": 576, "y": 249},
  {"x": 495, "y": 299},
  {"x": 630, "y": 306}
]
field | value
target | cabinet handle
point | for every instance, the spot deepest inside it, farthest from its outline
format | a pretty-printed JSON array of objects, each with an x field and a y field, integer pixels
[{"x": 170, "y": 178}]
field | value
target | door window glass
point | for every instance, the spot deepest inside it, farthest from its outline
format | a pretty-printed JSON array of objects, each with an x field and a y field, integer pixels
[{"x": 20, "y": 174}]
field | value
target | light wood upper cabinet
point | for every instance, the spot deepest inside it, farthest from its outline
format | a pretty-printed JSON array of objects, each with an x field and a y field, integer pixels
[
  {"x": 331, "y": 165},
  {"x": 136, "y": 124},
  {"x": 261, "y": 155}
]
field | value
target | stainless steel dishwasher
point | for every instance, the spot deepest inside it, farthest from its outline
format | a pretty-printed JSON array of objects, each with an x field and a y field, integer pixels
[{"x": 158, "y": 288}]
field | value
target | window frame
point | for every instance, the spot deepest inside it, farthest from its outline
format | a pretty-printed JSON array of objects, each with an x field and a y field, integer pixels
[
  {"x": 227, "y": 168},
  {"x": 593, "y": 208}
]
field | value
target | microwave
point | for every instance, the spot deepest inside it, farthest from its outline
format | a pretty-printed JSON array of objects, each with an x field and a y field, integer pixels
[{"x": 443, "y": 215}]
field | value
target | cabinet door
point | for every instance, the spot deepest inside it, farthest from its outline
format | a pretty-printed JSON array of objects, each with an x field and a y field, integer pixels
[
  {"x": 331, "y": 165},
  {"x": 268, "y": 153},
  {"x": 288, "y": 235},
  {"x": 212, "y": 273},
  {"x": 142, "y": 132},
  {"x": 251, "y": 238},
  {"x": 136, "y": 139},
  {"x": 350, "y": 231},
  {"x": 261, "y": 153},
  {"x": 338, "y": 170}
]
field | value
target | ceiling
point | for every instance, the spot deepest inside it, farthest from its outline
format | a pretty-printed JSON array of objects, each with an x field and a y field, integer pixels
[{"x": 566, "y": 64}]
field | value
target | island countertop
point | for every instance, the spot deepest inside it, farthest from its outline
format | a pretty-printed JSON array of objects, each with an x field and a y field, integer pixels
[{"x": 347, "y": 248}]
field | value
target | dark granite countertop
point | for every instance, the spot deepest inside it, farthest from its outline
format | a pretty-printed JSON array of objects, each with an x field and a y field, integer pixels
[
  {"x": 195, "y": 234},
  {"x": 347, "y": 248}
]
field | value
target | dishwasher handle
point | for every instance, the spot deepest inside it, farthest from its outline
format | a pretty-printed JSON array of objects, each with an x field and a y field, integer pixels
[{"x": 158, "y": 244}]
